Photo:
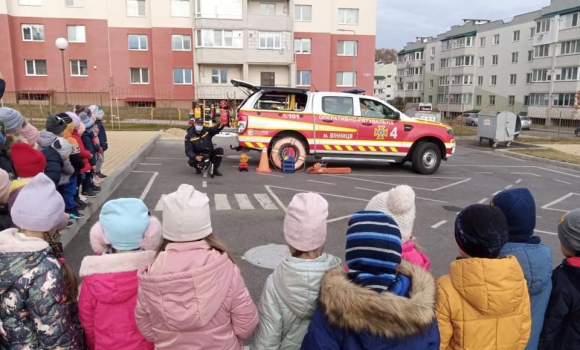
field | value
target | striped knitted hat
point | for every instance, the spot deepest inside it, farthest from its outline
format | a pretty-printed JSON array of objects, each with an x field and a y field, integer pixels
[{"x": 373, "y": 249}]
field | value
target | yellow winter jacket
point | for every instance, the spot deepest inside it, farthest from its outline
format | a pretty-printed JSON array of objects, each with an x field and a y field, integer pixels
[{"x": 483, "y": 304}]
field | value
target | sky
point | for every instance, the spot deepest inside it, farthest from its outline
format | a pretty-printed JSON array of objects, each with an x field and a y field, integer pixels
[{"x": 399, "y": 22}]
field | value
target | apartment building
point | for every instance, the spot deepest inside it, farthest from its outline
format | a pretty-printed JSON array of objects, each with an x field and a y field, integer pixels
[
  {"x": 385, "y": 81},
  {"x": 528, "y": 64},
  {"x": 150, "y": 51}
]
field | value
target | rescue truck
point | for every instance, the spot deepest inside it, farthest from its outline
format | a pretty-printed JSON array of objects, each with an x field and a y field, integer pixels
[{"x": 337, "y": 126}]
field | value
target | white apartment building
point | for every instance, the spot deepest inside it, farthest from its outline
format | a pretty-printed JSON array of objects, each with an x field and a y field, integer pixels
[
  {"x": 528, "y": 64},
  {"x": 385, "y": 81}
]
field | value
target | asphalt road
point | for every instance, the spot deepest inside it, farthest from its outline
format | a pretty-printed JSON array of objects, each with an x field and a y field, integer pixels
[{"x": 248, "y": 208}]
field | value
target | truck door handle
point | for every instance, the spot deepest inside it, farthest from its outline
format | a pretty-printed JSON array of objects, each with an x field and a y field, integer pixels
[
  {"x": 408, "y": 127},
  {"x": 367, "y": 124},
  {"x": 327, "y": 120}
]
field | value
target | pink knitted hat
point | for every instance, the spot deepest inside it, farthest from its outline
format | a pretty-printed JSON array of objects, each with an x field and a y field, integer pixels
[{"x": 305, "y": 222}]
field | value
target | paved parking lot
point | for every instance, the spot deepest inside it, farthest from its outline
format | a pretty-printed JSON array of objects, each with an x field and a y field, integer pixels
[{"x": 248, "y": 208}]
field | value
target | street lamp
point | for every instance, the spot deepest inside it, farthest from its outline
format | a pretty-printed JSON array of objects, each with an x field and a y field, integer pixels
[
  {"x": 355, "y": 52},
  {"x": 62, "y": 44}
]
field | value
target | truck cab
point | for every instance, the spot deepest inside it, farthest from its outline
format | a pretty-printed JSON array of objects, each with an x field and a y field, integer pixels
[{"x": 337, "y": 125}]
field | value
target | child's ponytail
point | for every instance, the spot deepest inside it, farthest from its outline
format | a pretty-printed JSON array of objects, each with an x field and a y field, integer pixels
[{"x": 70, "y": 279}]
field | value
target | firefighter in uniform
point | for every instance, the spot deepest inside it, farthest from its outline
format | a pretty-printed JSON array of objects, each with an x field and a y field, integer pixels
[{"x": 197, "y": 140}]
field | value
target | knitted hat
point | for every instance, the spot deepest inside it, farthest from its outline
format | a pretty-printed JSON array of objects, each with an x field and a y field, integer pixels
[
  {"x": 481, "y": 231},
  {"x": 66, "y": 117},
  {"x": 55, "y": 124},
  {"x": 373, "y": 249},
  {"x": 62, "y": 146},
  {"x": 97, "y": 111},
  {"x": 81, "y": 129},
  {"x": 519, "y": 208},
  {"x": 86, "y": 120},
  {"x": 399, "y": 203},
  {"x": 30, "y": 133},
  {"x": 12, "y": 119},
  {"x": 125, "y": 224},
  {"x": 4, "y": 182},
  {"x": 75, "y": 119},
  {"x": 569, "y": 230},
  {"x": 186, "y": 215},
  {"x": 305, "y": 222},
  {"x": 27, "y": 161},
  {"x": 38, "y": 207}
]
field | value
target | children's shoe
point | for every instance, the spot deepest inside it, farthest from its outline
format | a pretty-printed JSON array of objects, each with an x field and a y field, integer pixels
[
  {"x": 69, "y": 224},
  {"x": 81, "y": 205},
  {"x": 90, "y": 194},
  {"x": 82, "y": 198},
  {"x": 74, "y": 214},
  {"x": 96, "y": 189},
  {"x": 101, "y": 175}
]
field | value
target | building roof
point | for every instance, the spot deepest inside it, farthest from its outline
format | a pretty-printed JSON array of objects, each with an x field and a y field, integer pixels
[
  {"x": 462, "y": 35},
  {"x": 403, "y": 52},
  {"x": 380, "y": 77},
  {"x": 561, "y": 12}
]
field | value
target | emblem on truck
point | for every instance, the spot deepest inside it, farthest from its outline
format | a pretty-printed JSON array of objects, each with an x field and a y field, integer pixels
[{"x": 380, "y": 132}]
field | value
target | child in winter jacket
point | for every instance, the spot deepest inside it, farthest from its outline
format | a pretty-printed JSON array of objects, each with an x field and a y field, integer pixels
[
  {"x": 289, "y": 297},
  {"x": 561, "y": 330},
  {"x": 193, "y": 295},
  {"x": 12, "y": 122},
  {"x": 382, "y": 302},
  {"x": 28, "y": 162},
  {"x": 30, "y": 133},
  {"x": 484, "y": 302},
  {"x": 98, "y": 113},
  {"x": 124, "y": 241},
  {"x": 535, "y": 258},
  {"x": 38, "y": 290},
  {"x": 70, "y": 190},
  {"x": 5, "y": 219},
  {"x": 64, "y": 149},
  {"x": 399, "y": 203},
  {"x": 84, "y": 178},
  {"x": 87, "y": 140},
  {"x": 54, "y": 162}
]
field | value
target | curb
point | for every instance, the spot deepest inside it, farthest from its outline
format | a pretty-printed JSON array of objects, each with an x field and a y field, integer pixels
[
  {"x": 541, "y": 160},
  {"x": 107, "y": 188}
]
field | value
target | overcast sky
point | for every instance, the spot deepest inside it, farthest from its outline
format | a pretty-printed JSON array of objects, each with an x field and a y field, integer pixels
[{"x": 399, "y": 22}]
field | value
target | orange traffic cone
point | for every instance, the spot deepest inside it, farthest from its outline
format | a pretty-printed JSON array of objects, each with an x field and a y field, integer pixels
[{"x": 264, "y": 166}]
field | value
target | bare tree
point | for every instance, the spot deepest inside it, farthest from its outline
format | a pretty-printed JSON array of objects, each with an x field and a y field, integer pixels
[{"x": 385, "y": 55}]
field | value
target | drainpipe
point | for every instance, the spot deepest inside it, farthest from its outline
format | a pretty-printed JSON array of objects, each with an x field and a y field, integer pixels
[
  {"x": 555, "y": 45},
  {"x": 475, "y": 67}
]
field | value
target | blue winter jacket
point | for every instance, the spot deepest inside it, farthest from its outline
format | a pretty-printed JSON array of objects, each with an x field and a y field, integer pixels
[
  {"x": 353, "y": 317},
  {"x": 102, "y": 135},
  {"x": 536, "y": 262},
  {"x": 87, "y": 139}
]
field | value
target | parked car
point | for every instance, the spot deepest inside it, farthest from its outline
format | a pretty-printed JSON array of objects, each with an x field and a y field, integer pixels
[
  {"x": 526, "y": 122},
  {"x": 469, "y": 119}
]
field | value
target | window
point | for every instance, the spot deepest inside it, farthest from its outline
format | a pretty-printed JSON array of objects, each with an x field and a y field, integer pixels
[
  {"x": 433, "y": 51},
  {"x": 30, "y": 2},
  {"x": 347, "y": 48},
  {"x": 219, "y": 76},
  {"x": 414, "y": 86},
  {"x": 431, "y": 83},
  {"x": 270, "y": 40},
  {"x": 511, "y": 100},
  {"x": 541, "y": 51},
  {"x": 526, "y": 100},
  {"x": 496, "y": 39},
  {"x": 32, "y": 32},
  {"x": 338, "y": 105},
  {"x": 482, "y": 42},
  {"x": 494, "y": 60},
  {"x": 181, "y": 42},
  {"x": 432, "y": 67},
  {"x": 516, "y": 35},
  {"x": 374, "y": 109},
  {"x": 541, "y": 75},
  {"x": 492, "y": 100},
  {"x": 532, "y": 32},
  {"x": 564, "y": 100},
  {"x": 220, "y": 9},
  {"x": 530, "y": 55},
  {"x": 137, "y": 42},
  {"x": 76, "y": 34},
  {"x": 303, "y": 13},
  {"x": 570, "y": 47},
  {"x": 136, "y": 8},
  {"x": 538, "y": 99},
  {"x": 302, "y": 46},
  {"x": 347, "y": 16},
  {"x": 345, "y": 79},
  {"x": 543, "y": 26},
  {"x": 478, "y": 100},
  {"x": 181, "y": 76},
  {"x": 480, "y": 80},
  {"x": 180, "y": 8},
  {"x": 513, "y": 79},
  {"x": 268, "y": 9},
  {"x": 418, "y": 55},
  {"x": 139, "y": 75},
  {"x": 303, "y": 78},
  {"x": 430, "y": 98},
  {"x": 570, "y": 20},
  {"x": 446, "y": 45},
  {"x": 75, "y": 3},
  {"x": 464, "y": 61},
  {"x": 222, "y": 38},
  {"x": 528, "y": 78},
  {"x": 514, "y": 57},
  {"x": 35, "y": 67},
  {"x": 493, "y": 80},
  {"x": 79, "y": 68},
  {"x": 481, "y": 62},
  {"x": 567, "y": 74}
]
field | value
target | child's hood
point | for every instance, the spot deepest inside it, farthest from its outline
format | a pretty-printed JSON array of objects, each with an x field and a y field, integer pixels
[
  {"x": 46, "y": 138},
  {"x": 112, "y": 278},
  {"x": 491, "y": 286},
  {"x": 297, "y": 282},
  {"x": 19, "y": 255}
]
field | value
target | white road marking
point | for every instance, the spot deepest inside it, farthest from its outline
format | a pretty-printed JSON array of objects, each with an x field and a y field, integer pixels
[
  {"x": 320, "y": 193},
  {"x": 270, "y": 174},
  {"x": 149, "y": 184},
  {"x": 539, "y": 217},
  {"x": 368, "y": 189},
  {"x": 280, "y": 204},
  {"x": 244, "y": 202},
  {"x": 322, "y": 182},
  {"x": 512, "y": 158},
  {"x": 425, "y": 199},
  {"x": 547, "y": 206},
  {"x": 532, "y": 174},
  {"x": 265, "y": 201},
  {"x": 204, "y": 184},
  {"x": 159, "y": 206},
  {"x": 150, "y": 164},
  {"x": 518, "y": 181},
  {"x": 564, "y": 182},
  {"x": 338, "y": 219},
  {"x": 432, "y": 200},
  {"x": 484, "y": 172},
  {"x": 221, "y": 202},
  {"x": 493, "y": 194},
  {"x": 508, "y": 187},
  {"x": 546, "y": 232},
  {"x": 483, "y": 201},
  {"x": 394, "y": 184},
  {"x": 440, "y": 223}
]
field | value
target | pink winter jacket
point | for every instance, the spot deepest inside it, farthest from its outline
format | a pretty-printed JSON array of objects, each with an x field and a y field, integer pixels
[
  {"x": 193, "y": 297},
  {"x": 413, "y": 255},
  {"x": 107, "y": 300}
]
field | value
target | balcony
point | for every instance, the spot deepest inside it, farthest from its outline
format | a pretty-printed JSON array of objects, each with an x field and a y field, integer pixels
[
  {"x": 274, "y": 56},
  {"x": 220, "y": 55},
  {"x": 271, "y": 23},
  {"x": 215, "y": 23},
  {"x": 216, "y": 91}
]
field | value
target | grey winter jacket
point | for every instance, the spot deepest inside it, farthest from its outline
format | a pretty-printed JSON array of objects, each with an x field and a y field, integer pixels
[
  {"x": 34, "y": 311},
  {"x": 67, "y": 171}
]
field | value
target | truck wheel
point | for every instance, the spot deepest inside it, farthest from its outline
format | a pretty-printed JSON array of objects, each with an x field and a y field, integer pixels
[
  {"x": 426, "y": 158},
  {"x": 286, "y": 146}
]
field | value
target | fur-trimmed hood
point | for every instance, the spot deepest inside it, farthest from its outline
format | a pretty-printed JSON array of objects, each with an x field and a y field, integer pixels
[
  {"x": 358, "y": 309},
  {"x": 113, "y": 263}
]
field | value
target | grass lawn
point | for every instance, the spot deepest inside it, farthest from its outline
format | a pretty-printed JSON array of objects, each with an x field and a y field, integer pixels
[{"x": 551, "y": 154}]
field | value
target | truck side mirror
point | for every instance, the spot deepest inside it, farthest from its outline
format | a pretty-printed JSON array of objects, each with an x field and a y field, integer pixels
[{"x": 396, "y": 115}]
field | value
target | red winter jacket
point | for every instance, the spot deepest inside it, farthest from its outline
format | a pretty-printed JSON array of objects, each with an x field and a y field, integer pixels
[{"x": 86, "y": 155}]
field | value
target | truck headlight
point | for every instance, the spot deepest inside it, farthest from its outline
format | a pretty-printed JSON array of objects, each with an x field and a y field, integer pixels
[{"x": 450, "y": 132}]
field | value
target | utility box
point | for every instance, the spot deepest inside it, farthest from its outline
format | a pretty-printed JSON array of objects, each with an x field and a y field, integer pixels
[{"x": 502, "y": 127}]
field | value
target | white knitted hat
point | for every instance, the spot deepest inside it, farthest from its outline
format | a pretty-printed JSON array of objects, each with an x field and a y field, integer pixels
[
  {"x": 186, "y": 215},
  {"x": 399, "y": 203}
]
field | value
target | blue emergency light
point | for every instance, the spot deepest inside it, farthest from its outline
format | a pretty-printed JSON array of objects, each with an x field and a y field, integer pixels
[{"x": 354, "y": 91}]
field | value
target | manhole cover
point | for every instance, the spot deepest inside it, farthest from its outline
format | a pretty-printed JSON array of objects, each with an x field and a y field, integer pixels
[
  {"x": 267, "y": 256},
  {"x": 452, "y": 208}
]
